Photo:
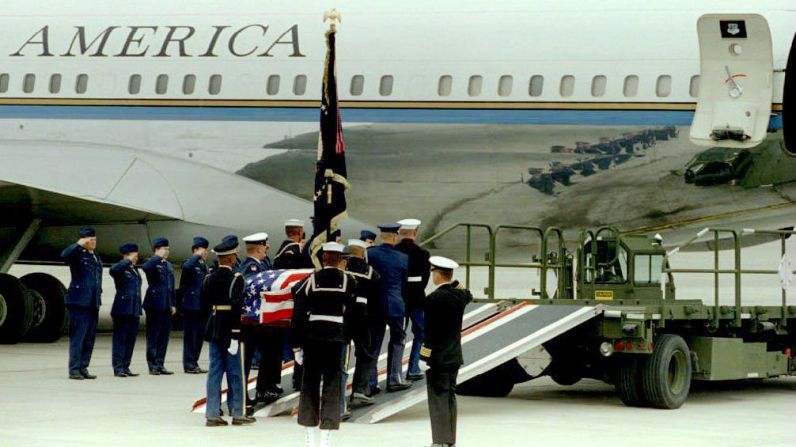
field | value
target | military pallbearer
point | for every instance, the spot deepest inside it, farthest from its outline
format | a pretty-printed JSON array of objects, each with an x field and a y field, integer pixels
[{"x": 415, "y": 292}]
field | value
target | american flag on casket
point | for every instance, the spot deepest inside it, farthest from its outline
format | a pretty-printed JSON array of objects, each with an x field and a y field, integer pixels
[{"x": 269, "y": 298}]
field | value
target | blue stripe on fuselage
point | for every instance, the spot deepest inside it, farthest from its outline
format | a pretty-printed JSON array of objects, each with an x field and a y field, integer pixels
[{"x": 354, "y": 115}]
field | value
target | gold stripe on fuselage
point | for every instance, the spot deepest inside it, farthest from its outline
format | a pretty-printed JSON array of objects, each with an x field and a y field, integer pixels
[{"x": 522, "y": 105}]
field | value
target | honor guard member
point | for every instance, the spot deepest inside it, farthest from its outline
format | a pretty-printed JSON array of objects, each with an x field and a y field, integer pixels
[
  {"x": 318, "y": 341},
  {"x": 368, "y": 237},
  {"x": 368, "y": 291},
  {"x": 194, "y": 270},
  {"x": 392, "y": 266},
  {"x": 83, "y": 300},
  {"x": 257, "y": 337},
  {"x": 442, "y": 348},
  {"x": 415, "y": 293},
  {"x": 126, "y": 310},
  {"x": 291, "y": 254},
  {"x": 159, "y": 305},
  {"x": 222, "y": 296}
]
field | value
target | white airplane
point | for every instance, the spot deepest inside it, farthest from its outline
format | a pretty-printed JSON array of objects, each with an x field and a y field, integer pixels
[{"x": 160, "y": 118}]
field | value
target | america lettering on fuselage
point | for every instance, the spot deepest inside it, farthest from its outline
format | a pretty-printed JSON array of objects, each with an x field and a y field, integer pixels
[{"x": 163, "y": 41}]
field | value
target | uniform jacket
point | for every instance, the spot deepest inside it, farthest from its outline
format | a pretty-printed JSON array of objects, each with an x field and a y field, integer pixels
[
  {"x": 419, "y": 272},
  {"x": 85, "y": 288},
  {"x": 290, "y": 256},
  {"x": 193, "y": 274},
  {"x": 327, "y": 293},
  {"x": 393, "y": 266},
  {"x": 222, "y": 299},
  {"x": 367, "y": 295},
  {"x": 160, "y": 277},
  {"x": 127, "y": 301},
  {"x": 444, "y": 309},
  {"x": 251, "y": 266}
]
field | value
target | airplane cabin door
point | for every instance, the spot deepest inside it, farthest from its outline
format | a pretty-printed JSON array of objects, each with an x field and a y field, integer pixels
[{"x": 736, "y": 71}]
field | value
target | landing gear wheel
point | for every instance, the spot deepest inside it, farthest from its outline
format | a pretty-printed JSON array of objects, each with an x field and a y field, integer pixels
[
  {"x": 667, "y": 374},
  {"x": 628, "y": 382},
  {"x": 49, "y": 311},
  {"x": 15, "y": 309}
]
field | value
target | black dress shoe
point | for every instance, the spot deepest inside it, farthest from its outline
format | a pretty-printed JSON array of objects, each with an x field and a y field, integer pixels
[
  {"x": 120, "y": 374},
  {"x": 165, "y": 372},
  {"x": 346, "y": 415},
  {"x": 376, "y": 390},
  {"x": 154, "y": 372},
  {"x": 191, "y": 371},
  {"x": 215, "y": 422},
  {"x": 243, "y": 420},
  {"x": 131, "y": 374},
  {"x": 86, "y": 375},
  {"x": 361, "y": 400},
  {"x": 414, "y": 377},
  {"x": 199, "y": 370},
  {"x": 398, "y": 387},
  {"x": 76, "y": 376}
]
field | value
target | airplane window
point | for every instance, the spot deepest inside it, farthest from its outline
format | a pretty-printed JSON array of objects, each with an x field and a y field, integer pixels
[
  {"x": 567, "y": 85},
  {"x": 134, "y": 87},
  {"x": 28, "y": 83},
  {"x": 215, "y": 84},
  {"x": 474, "y": 85},
  {"x": 693, "y": 89},
  {"x": 536, "y": 85},
  {"x": 357, "y": 85},
  {"x": 445, "y": 85},
  {"x": 55, "y": 83},
  {"x": 273, "y": 85},
  {"x": 663, "y": 87},
  {"x": 3, "y": 82},
  {"x": 162, "y": 84},
  {"x": 300, "y": 85},
  {"x": 82, "y": 83},
  {"x": 630, "y": 88},
  {"x": 189, "y": 84},
  {"x": 505, "y": 85},
  {"x": 598, "y": 85},
  {"x": 385, "y": 85}
]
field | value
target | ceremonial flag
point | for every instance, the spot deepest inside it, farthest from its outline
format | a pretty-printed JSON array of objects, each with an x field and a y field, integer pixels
[
  {"x": 330, "y": 170},
  {"x": 269, "y": 298}
]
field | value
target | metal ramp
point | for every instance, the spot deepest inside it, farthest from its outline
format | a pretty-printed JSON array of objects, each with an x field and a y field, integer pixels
[
  {"x": 474, "y": 314},
  {"x": 486, "y": 345}
]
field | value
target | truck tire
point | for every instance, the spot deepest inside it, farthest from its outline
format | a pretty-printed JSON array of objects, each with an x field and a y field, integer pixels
[
  {"x": 50, "y": 312},
  {"x": 15, "y": 310},
  {"x": 566, "y": 377},
  {"x": 666, "y": 377},
  {"x": 629, "y": 383},
  {"x": 497, "y": 382}
]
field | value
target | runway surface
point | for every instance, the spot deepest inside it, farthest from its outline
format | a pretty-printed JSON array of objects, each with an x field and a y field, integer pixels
[{"x": 41, "y": 407}]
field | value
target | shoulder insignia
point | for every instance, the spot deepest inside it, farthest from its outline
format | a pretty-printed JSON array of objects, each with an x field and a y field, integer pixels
[{"x": 425, "y": 351}]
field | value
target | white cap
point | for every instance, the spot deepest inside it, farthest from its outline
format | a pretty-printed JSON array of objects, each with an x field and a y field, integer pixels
[
  {"x": 357, "y": 243},
  {"x": 256, "y": 238},
  {"x": 294, "y": 223},
  {"x": 409, "y": 224},
  {"x": 333, "y": 247},
  {"x": 443, "y": 263}
]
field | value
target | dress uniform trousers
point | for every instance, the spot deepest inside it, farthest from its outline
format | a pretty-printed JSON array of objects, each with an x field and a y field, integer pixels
[
  {"x": 441, "y": 386},
  {"x": 192, "y": 341},
  {"x": 269, "y": 342},
  {"x": 221, "y": 363},
  {"x": 322, "y": 363},
  {"x": 158, "y": 329},
  {"x": 82, "y": 333},
  {"x": 416, "y": 317},
  {"x": 395, "y": 348},
  {"x": 125, "y": 331}
]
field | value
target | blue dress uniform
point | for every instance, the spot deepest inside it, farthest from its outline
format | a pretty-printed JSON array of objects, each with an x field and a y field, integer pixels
[
  {"x": 415, "y": 293},
  {"x": 193, "y": 273},
  {"x": 393, "y": 267},
  {"x": 83, "y": 300},
  {"x": 126, "y": 312},
  {"x": 158, "y": 303}
]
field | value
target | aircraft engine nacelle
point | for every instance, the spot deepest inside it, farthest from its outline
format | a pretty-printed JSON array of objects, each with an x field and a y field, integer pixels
[{"x": 736, "y": 88}]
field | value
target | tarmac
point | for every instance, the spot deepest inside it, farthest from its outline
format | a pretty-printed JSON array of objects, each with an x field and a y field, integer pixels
[{"x": 44, "y": 408}]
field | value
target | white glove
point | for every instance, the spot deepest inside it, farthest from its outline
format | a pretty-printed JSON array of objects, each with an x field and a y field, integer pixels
[
  {"x": 298, "y": 355},
  {"x": 233, "y": 347}
]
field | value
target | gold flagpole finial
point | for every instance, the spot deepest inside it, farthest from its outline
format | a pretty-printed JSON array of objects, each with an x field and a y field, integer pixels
[{"x": 333, "y": 16}]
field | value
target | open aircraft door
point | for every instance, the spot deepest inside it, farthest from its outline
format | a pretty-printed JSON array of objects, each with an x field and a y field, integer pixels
[{"x": 735, "y": 85}]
